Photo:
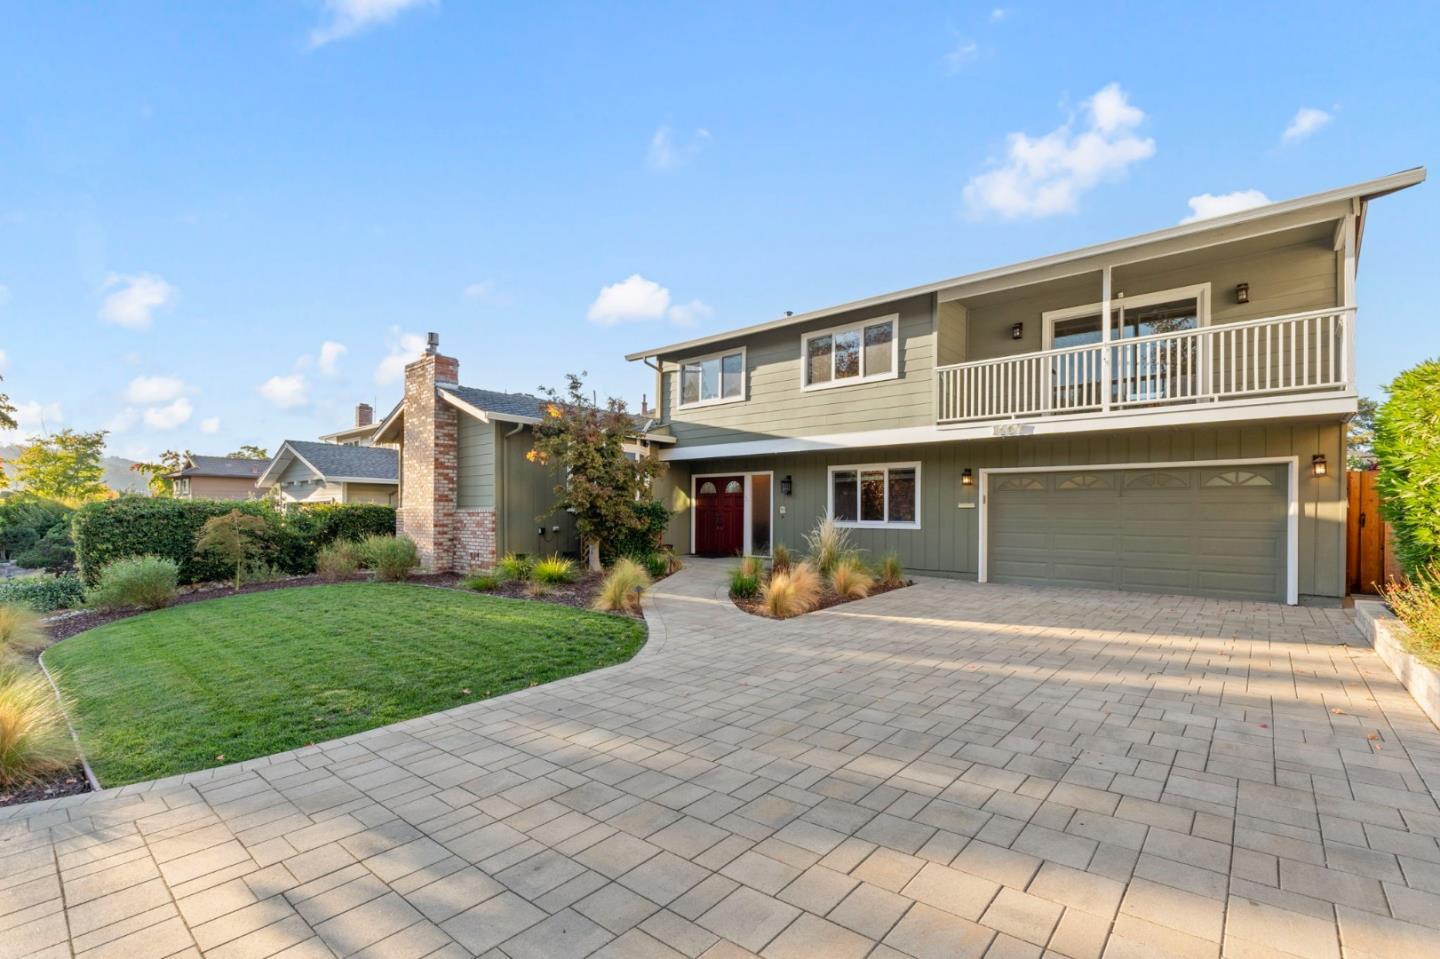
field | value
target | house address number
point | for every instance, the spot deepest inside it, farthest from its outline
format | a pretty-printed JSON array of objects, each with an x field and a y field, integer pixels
[{"x": 1014, "y": 429}]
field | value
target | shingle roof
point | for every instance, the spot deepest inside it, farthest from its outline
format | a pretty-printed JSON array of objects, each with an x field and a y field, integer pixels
[
  {"x": 349, "y": 462},
  {"x": 515, "y": 404},
  {"x": 223, "y": 466}
]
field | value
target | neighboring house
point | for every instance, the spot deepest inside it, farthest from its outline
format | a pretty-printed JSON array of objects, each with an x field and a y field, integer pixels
[
  {"x": 361, "y": 434},
  {"x": 216, "y": 477},
  {"x": 305, "y": 471},
  {"x": 467, "y": 492},
  {"x": 993, "y": 426}
]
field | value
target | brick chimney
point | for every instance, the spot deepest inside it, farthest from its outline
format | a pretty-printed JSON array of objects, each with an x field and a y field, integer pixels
[
  {"x": 364, "y": 414},
  {"x": 428, "y": 468}
]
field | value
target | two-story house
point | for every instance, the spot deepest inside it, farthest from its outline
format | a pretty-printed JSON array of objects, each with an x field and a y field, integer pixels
[{"x": 1163, "y": 413}]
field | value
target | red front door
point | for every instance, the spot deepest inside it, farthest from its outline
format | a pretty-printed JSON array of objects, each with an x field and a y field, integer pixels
[{"x": 720, "y": 515}]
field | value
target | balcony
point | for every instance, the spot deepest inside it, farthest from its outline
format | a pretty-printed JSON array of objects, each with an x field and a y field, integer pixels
[{"x": 1276, "y": 357}]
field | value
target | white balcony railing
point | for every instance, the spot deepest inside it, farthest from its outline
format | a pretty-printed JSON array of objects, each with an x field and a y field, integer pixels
[{"x": 1299, "y": 353}]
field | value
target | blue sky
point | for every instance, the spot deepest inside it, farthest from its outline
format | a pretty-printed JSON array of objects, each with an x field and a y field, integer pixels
[{"x": 195, "y": 199}]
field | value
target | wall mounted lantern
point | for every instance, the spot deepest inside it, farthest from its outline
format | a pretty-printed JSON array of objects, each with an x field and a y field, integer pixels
[
  {"x": 967, "y": 478},
  {"x": 1242, "y": 292},
  {"x": 1017, "y": 332},
  {"x": 1318, "y": 466},
  {"x": 786, "y": 485}
]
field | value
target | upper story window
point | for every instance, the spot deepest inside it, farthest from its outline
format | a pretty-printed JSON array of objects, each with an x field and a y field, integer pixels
[
  {"x": 857, "y": 353},
  {"x": 717, "y": 378}
]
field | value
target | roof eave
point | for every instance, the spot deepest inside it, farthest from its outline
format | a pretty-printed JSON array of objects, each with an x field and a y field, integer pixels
[{"x": 1364, "y": 191}]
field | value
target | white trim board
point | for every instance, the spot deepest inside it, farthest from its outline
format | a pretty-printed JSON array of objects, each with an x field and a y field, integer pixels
[
  {"x": 1333, "y": 406},
  {"x": 1292, "y": 525}
]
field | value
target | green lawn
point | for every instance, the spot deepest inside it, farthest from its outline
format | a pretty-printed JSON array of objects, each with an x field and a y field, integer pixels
[{"x": 230, "y": 679}]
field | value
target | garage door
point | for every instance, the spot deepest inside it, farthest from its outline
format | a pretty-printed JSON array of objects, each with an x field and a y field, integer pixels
[{"x": 1206, "y": 531}]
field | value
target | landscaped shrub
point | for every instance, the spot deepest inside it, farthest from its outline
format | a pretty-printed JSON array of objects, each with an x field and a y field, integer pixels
[
  {"x": 622, "y": 587},
  {"x": 780, "y": 558},
  {"x": 482, "y": 581},
  {"x": 236, "y": 538},
  {"x": 791, "y": 592},
  {"x": 658, "y": 564},
  {"x": 20, "y": 630},
  {"x": 1417, "y": 603},
  {"x": 391, "y": 557},
  {"x": 35, "y": 532},
  {"x": 851, "y": 579},
  {"x": 554, "y": 570},
  {"x": 259, "y": 571},
  {"x": 1407, "y": 444},
  {"x": 638, "y": 543},
  {"x": 513, "y": 566},
  {"x": 54, "y": 552},
  {"x": 892, "y": 573},
  {"x": 15, "y": 540},
  {"x": 145, "y": 581},
  {"x": 745, "y": 579},
  {"x": 45, "y": 594},
  {"x": 34, "y": 740},
  {"x": 160, "y": 526},
  {"x": 829, "y": 543},
  {"x": 337, "y": 561}
]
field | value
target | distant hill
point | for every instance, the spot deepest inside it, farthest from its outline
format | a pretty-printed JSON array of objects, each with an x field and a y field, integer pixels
[{"x": 117, "y": 471}]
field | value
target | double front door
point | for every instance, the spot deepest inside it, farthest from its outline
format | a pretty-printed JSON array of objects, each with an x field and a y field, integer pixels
[{"x": 720, "y": 516}]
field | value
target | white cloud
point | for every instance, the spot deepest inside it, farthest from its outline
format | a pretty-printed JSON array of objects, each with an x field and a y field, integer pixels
[
  {"x": 1045, "y": 175},
  {"x": 210, "y": 425},
  {"x": 33, "y": 419},
  {"x": 665, "y": 154},
  {"x": 998, "y": 14},
  {"x": 634, "y": 298},
  {"x": 1306, "y": 121},
  {"x": 286, "y": 392},
  {"x": 689, "y": 314},
  {"x": 480, "y": 291},
  {"x": 133, "y": 300},
  {"x": 123, "y": 420},
  {"x": 154, "y": 389},
  {"x": 170, "y": 416},
  {"x": 330, "y": 353},
  {"x": 405, "y": 348},
  {"x": 1206, "y": 205},
  {"x": 349, "y": 17},
  {"x": 962, "y": 53}
]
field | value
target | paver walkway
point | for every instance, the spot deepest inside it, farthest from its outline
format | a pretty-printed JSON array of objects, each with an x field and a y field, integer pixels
[{"x": 946, "y": 770}]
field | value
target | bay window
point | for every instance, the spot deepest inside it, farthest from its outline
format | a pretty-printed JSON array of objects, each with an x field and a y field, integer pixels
[
  {"x": 882, "y": 495},
  {"x": 851, "y": 354}
]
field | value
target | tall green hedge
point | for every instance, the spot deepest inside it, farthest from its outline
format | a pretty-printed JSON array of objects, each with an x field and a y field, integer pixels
[
  {"x": 1407, "y": 444},
  {"x": 160, "y": 526}
]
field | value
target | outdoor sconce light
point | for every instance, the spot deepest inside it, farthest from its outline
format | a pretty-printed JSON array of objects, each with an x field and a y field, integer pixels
[
  {"x": 1017, "y": 332},
  {"x": 786, "y": 485},
  {"x": 1242, "y": 292},
  {"x": 967, "y": 478},
  {"x": 1318, "y": 466}
]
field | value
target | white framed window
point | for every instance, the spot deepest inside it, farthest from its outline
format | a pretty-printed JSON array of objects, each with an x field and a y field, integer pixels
[
  {"x": 855, "y": 353},
  {"x": 1144, "y": 314},
  {"x": 881, "y": 495},
  {"x": 713, "y": 379}
]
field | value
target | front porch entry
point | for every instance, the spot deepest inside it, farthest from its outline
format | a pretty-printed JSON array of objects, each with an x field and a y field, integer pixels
[{"x": 731, "y": 515}]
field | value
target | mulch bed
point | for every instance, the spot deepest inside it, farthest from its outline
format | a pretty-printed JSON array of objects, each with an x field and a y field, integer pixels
[
  {"x": 579, "y": 594},
  {"x": 828, "y": 599},
  {"x": 71, "y": 783}
]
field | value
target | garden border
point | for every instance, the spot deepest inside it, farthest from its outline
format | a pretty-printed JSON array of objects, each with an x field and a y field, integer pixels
[
  {"x": 74, "y": 736},
  {"x": 1381, "y": 627}
]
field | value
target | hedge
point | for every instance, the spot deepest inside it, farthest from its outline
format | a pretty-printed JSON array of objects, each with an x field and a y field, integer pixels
[
  {"x": 160, "y": 526},
  {"x": 44, "y": 594},
  {"x": 1407, "y": 444}
]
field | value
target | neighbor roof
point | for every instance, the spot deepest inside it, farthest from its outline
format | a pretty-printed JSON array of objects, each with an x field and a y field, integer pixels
[
  {"x": 363, "y": 464},
  {"x": 1363, "y": 192},
  {"x": 231, "y": 466}
]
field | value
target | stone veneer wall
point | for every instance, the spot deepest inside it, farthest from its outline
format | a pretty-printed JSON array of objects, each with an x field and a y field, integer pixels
[
  {"x": 428, "y": 468},
  {"x": 474, "y": 539}
]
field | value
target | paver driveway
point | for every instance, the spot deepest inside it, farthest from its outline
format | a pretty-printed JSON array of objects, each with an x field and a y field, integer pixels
[{"x": 946, "y": 770}]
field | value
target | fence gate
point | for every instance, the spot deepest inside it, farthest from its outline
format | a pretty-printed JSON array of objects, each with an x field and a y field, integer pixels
[{"x": 1367, "y": 549}]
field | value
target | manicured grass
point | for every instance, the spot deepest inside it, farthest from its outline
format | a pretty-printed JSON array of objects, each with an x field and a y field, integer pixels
[{"x": 230, "y": 679}]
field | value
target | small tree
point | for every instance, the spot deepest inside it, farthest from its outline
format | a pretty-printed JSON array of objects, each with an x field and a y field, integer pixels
[
  {"x": 249, "y": 452},
  {"x": 159, "y": 480},
  {"x": 1407, "y": 444},
  {"x": 7, "y": 412},
  {"x": 233, "y": 537},
  {"x": 585, "y": 444},
  {"x": 67, "y": 466},
  {"x": 1360, "y": 436}
]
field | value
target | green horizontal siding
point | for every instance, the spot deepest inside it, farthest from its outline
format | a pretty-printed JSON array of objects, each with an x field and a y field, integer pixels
[{"x": 475, "y": 460}]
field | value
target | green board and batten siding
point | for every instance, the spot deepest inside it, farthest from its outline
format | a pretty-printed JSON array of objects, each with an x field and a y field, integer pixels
[
  {"x": 476, "y": 461},
  {"x": 948, "y": 538},
  {"x": 494, "y": 473}
]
